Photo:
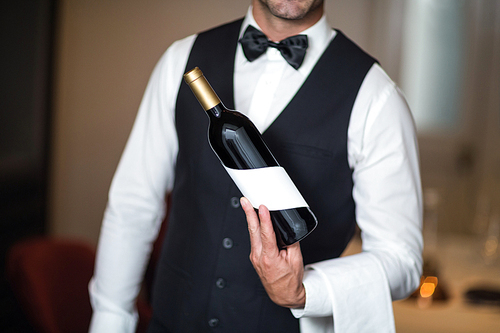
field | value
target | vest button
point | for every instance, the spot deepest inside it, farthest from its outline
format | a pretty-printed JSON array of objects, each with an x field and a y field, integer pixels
[
  {"x": 227, "y": 243},
  {"x": 214, "y": 322},
  {"x": 220, "y": 283},
  {"x": 235, "y": 202}
]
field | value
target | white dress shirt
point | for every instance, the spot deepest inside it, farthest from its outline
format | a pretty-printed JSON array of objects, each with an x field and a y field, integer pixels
[{"x": 349, "y": 294}]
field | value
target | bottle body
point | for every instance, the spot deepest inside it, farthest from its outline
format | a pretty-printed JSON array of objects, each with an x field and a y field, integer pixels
[{"x": 242, "y": 151}]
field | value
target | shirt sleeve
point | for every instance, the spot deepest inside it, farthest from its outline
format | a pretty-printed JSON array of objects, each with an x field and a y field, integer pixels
[
  {"x": 358, "y": 290},
  {"x": 136, "y": 202}
]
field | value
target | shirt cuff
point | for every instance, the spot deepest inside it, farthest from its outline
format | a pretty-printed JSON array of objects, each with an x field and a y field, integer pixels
[
  {"x": 108, "y": 317},
  {"x": 108, "y": 322},
  {"x": 318, "y": 295}
]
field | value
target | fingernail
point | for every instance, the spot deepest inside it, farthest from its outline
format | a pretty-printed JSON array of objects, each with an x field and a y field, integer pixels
[{"x": 243, "y": 202}]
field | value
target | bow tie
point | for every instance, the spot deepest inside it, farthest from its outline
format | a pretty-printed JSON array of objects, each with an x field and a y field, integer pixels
[{"x": 255, "y": 43}]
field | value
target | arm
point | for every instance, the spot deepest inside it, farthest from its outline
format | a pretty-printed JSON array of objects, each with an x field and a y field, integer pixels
[{"x": 136, "y": 199}]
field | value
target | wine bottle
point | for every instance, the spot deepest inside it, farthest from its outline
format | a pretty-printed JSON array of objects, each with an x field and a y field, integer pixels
[{"x": 249, "y": 162}]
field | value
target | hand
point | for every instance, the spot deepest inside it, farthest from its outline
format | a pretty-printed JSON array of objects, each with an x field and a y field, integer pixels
[{"x": 281, "y": 271}]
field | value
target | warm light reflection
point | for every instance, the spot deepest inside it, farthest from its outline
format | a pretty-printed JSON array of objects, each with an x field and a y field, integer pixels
[
  {"x": 428, "y": 286},
  {"x": 490, "y": 246}
]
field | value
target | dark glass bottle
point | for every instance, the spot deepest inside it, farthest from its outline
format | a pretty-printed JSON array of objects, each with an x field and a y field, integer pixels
[{"x": 239, "y": 146}]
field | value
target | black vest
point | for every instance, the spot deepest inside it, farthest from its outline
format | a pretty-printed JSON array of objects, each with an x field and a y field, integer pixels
[{"x": 205, "y": 280}]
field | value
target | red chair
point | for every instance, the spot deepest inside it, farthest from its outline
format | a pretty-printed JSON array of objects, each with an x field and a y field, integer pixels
[{"x": 49, "y": 278}]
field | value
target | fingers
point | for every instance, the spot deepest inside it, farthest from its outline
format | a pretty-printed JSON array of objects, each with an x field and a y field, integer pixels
[
  {"x": 253, "y": 225},
  {"x": 269, "y": 245},
  {"x": 260, "y": 228},
  {"x": 293, "y": 251}
]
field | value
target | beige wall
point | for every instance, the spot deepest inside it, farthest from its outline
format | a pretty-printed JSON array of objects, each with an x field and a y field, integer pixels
[{"x": 105, "y": 53}]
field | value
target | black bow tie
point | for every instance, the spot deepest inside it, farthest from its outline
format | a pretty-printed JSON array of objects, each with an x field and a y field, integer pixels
[{"x": 255, "y": 43}]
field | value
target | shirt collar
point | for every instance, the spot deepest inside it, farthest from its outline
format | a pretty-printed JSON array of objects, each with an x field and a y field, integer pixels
[{"x": 319, "y": 36}]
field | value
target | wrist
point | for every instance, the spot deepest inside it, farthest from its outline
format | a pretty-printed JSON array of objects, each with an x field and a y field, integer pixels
[{"x": 301, "y": 299}]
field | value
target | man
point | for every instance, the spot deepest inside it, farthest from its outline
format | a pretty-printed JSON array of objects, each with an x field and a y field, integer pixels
[{"x": 341, "y": 129}]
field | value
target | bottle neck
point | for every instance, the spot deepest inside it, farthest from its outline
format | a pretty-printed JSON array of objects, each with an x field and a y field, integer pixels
[{"x": 216, "y": 111}]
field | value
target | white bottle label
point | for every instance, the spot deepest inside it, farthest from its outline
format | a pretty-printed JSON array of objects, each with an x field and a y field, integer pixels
[{"x": 269, "y": 186}]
